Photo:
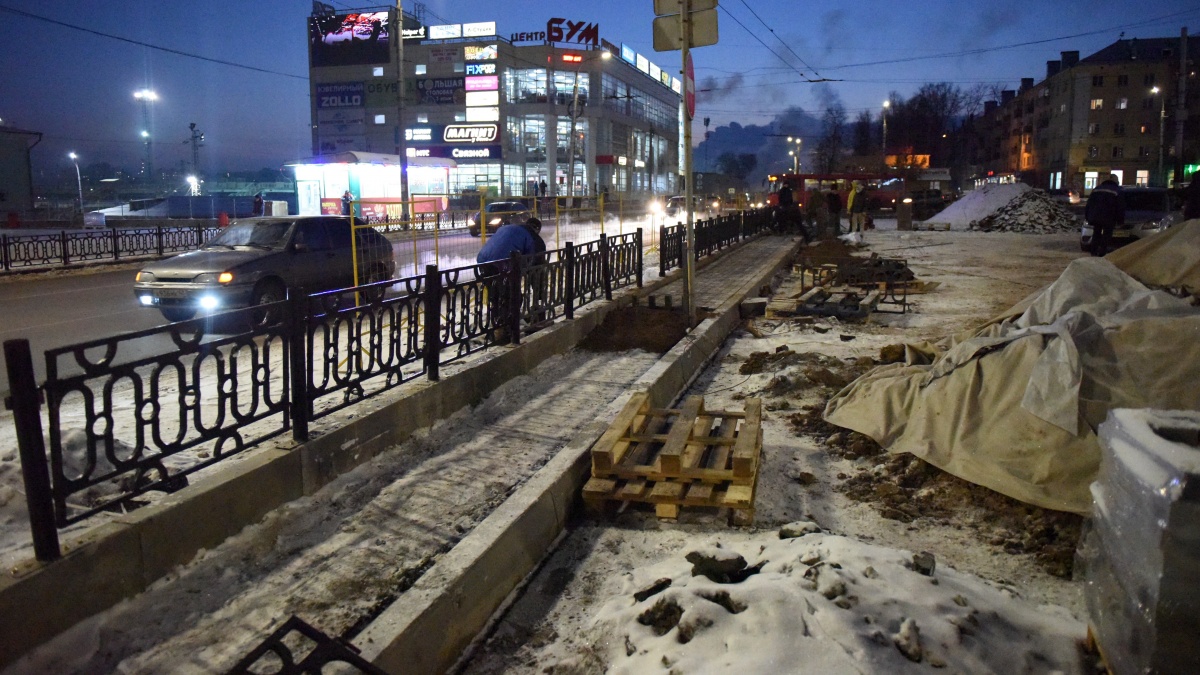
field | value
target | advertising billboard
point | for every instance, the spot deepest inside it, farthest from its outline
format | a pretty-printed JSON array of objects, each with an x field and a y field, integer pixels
[
  {"x": 454, "y": 134},
  {"x": 483, "y": 83},
  {"x": 441, "y": 90},
  {"x": 474, "y": 69},
  {"x": 349, "y": 39},
  {"x": 480, "y": 53},
  {"x": 339, "y": 95},
  {"x": 457, "y": 151},
  {"x": 482, "y": 98},
  {"x": 446, "y": 32},
  {"x": 481, "y": 29}
]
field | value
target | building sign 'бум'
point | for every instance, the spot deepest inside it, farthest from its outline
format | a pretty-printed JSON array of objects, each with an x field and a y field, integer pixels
[{"x": 562, "y": 30}]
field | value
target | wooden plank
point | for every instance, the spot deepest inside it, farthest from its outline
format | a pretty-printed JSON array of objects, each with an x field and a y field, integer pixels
[
  {"x": 604, "y": 452},
  {"x": 621, "y": 449},
  {"x": 699, "y": 492},
  {"x": 698, "y": 442},
  {"x": 634, "y": 489},
  {"x": 667, "y": 491},
  {"x": 719, "y": 458},
  {"x": 738, "y": 496},
  {"x": 670, "y": 459},
  {"x": 746, "y": 451},
  {"x": 599, "y": 488},
  {"x": 668, "y": 511},
  {"x": 642, "y": 457}
]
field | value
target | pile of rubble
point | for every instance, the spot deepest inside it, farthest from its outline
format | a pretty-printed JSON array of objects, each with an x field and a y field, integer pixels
[{"x": 1030, "y": 212}]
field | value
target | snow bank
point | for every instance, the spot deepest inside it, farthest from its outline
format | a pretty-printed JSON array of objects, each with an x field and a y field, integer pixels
[{"x": 828, "y": 604}]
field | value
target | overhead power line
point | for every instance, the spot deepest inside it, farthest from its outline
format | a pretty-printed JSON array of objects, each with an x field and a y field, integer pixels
[
  {"x": 773, "y": 52},
  {"x": 139, "y": 43},
  {"x": 785, "y": 45}
]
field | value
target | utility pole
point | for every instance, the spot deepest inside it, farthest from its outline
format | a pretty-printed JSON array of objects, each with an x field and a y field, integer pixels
[
  {"x": 689, "y": 248},
  {"x": 1180, "y": 104},
  {"x": 402, "y": 149}
]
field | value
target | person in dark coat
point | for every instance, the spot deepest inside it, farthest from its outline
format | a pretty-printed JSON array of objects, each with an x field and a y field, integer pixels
[
  {"x": 1104, "y": 211},
  {"x": 834, "y": 203},
  {"x": 494, "y": 265},
  {"x": 258, "y": 204},
  {"x": 1191, "y": 198},
  {"x": 347, "y": 198}
]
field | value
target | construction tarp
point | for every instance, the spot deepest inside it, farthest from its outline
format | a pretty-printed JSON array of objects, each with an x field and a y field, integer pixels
[{"x": 1014, "y": 406}]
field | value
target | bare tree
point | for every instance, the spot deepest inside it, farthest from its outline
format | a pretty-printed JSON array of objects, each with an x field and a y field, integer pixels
[
  {"x": 863, "y": 143},
  {"x": 829, "y": 148}
]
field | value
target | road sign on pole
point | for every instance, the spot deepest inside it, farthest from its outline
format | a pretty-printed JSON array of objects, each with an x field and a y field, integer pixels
[
  {"x": 671, "y": 7},
  {"x": 689, "y": 86},
  {"x": 704, "y": 31}
]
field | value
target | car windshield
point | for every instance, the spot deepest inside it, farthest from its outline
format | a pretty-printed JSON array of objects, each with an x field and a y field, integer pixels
[
  {"x": 271, "y": 234},
  {"x": 501, "y": 207},
  {"x": 1146, "y": 201}
]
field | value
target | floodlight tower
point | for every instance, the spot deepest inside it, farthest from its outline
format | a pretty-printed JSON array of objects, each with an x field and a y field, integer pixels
[
  {"x": 146, "y": 97},
  {"x": 197, "y": 141}
]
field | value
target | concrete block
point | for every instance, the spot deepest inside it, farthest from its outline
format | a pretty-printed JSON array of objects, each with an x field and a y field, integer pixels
[
  {"x": 89, "y": 579},
  {"x": 209, "y": 512}
]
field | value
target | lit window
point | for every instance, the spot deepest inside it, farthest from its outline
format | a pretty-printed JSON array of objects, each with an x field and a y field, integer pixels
[
  {"x": 1097, "y": 104},
  {"x": 1094, "y": 128},
  {"x": 1122, "y": 103},
  {"x": 459, "y": 67},
  {"x": 419, "y": 69},
  {"x": 377, "y": 71},
  {"x": 422, "y": 118},
  {"x": 460, "y": 117},
  {"x": 380, "y": 119}
]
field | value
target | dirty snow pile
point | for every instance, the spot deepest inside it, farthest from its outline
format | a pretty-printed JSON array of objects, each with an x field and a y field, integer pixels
[
  {"x": 1011, "y": 207},
  {"x": 804, "y": 601},
  {"x": 1031, "y": 212}
]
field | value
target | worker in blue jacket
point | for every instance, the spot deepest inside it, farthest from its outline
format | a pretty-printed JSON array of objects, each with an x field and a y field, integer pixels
[{"x": 493, "y": 260}]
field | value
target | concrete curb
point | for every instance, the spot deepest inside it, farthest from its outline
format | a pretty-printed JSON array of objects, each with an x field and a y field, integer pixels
[{"x": 428, "y": 628}]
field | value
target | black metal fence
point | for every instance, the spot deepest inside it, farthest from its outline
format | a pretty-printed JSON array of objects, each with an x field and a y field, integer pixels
[
  {"x": 711, "y": 236},
  {"x": 24, "y": 251},
  {"x": 145, "y": 410}
]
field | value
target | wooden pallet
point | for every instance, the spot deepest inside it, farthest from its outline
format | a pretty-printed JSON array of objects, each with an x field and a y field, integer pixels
[{"x": 679, "y": 457}]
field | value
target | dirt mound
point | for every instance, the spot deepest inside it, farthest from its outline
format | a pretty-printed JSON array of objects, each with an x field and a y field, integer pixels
[
  {"x": 650, "y": 329},
  {"x": 828, "y": 250},
  {"x": 1031, "y": 212},
  {"x": 906, "y": 488}
]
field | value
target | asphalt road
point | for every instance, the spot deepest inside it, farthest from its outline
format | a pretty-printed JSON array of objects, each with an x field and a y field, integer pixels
[{"x": 64, "y": 307}]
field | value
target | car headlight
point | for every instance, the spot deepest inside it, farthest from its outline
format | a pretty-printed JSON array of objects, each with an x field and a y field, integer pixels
[
  {"x": 495, "y": 221},
  {"x": 144, "y": 276},
  {"x": 655, "y": 207},
  {"x": 214, "y": 278}
]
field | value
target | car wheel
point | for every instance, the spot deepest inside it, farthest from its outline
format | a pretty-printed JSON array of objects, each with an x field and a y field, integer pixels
[
  {"x": 376, "y": 274},
  {"x": 174, "y": 314},
  {"x": 266, "y": 293}
]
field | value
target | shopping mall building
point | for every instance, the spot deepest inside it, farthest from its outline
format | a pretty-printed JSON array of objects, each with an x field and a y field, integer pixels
[{"x": 485, "y": 111}]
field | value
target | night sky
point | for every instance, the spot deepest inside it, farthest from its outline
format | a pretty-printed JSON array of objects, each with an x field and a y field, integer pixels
[{"x": 77, "y": 87}]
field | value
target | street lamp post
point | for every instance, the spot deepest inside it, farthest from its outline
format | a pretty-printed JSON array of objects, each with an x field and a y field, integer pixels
[
  {"x": 78, "y": 178},
  {"x": 886, "y": 104},
  {"x": 795, "y": 153},
  {"x": 1162, "y": 122},
  {"x": 146, "y": 97}
]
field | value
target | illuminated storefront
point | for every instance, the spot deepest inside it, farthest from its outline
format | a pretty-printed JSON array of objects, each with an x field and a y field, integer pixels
[{"x": 321, "y": 181}]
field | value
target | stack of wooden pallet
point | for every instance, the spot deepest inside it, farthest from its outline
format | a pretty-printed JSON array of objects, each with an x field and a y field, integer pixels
[{"x": 679, "y": 457}]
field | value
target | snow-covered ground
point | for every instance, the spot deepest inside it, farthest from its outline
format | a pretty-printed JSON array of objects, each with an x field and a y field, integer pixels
[{"x": 814, "y": 606}]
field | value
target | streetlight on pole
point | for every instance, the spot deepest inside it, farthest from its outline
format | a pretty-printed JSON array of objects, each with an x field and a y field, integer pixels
[
  {"x": 886, "y": 104},
  {"x": 795, "y": 153},
  {"x": 78, "y": 179},
  {"x": 1162, "y": 122},
  {"x": 146, "y": 97},
  {"x": 574, "y": 112}
]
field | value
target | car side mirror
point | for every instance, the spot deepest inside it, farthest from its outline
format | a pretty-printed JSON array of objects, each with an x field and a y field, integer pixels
[{"x": 299, "y": 247}]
